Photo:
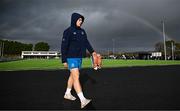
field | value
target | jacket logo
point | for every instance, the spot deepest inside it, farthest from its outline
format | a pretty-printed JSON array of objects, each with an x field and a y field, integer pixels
[
  {"x": 72, "y": 65},
  {"x": 82, "y": 33},
  {"x": 74, "y": 33}
]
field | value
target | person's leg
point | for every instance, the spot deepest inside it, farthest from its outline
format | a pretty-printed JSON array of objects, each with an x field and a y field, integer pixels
[
  {"x": 70, "y": 82},
  {"x": 77, "y": 86},
  {"x": 68, "y": 94},
  {"x": 76, "y": 82},
  {"x": 70, "y": 79}
]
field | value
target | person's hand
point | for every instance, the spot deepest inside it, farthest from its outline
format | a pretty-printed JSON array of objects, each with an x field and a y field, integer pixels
[
  {"x": 97, "y": 61},
  {"x": 65, "y": 65},
  {"x": 94, "y": 54}
]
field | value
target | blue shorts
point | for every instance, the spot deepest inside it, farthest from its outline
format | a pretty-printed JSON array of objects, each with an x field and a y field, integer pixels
[{"x": 74, "y": 63}]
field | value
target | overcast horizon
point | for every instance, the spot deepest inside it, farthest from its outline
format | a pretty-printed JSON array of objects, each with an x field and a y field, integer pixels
[{"x": 135, "y": 25}]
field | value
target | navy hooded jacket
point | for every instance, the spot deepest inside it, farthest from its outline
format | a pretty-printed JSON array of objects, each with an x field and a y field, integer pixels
[{"x": 74, "y": 41}]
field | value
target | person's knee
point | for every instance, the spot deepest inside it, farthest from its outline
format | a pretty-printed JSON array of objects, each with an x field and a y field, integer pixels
[
  {"x": 70, "y": 75},
  {"x": 75, "y": 74}
]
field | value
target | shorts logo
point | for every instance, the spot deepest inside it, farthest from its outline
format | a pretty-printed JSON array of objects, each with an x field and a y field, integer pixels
[
  {"x": 72, "y": 65},
  {"x": 74, "y": 33}
]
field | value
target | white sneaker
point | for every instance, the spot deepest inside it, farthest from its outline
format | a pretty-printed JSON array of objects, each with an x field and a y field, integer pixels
[
  {"x": 69, "y": 97},
  {"x": 95, "y": 68},
  {"x": 85, "y": 102}
]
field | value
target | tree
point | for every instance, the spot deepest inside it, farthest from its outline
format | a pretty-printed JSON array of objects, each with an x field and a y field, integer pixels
[
  {"x": 160, "y": 47},
  {"x": 177, "y": 49},
  {"x": 177, "y": 46},
  {"x": 14, "y": 47},
  {"x": 169, "y": 47},
  {"x": 41, "y": 46}
]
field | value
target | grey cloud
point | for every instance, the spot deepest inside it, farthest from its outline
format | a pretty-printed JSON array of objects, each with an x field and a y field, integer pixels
[{"x": 134, "y": 24}]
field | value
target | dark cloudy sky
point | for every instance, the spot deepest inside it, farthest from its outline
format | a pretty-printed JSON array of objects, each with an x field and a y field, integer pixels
[{"x": 133, "y": 24}]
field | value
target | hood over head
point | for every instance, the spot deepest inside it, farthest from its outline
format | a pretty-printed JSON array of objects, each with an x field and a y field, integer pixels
[{"x": 74, "y": 18}]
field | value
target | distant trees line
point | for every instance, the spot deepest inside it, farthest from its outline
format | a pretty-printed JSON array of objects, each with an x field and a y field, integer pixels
[
  {"x": 159, "y": 47},
  {"x": 8, "y": 47}
]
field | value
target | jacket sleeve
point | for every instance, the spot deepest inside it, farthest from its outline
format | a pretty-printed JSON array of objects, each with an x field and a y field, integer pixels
[
  {"x": 88, "y": 45},
  {"x": 64, "y": 46}
]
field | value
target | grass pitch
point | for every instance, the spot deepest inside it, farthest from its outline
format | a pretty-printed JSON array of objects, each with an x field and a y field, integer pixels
[{"x": 55, "y": 64}]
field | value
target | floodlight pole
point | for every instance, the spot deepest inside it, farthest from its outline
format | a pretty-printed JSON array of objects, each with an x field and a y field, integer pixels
[
  {"x": 172, "y": 50},
  {"x": 113, "y": 45},
  {"x": 164, "y": 36},
  {"x": 3, "y": 49},
  {"x": 0, "y": 48}
]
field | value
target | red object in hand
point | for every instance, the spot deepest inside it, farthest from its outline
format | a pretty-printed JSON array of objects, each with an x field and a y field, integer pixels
[{"x": 96, "y": 61}]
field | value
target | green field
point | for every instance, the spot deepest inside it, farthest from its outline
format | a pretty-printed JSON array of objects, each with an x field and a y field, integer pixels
[{"x": 55, "y": 64}]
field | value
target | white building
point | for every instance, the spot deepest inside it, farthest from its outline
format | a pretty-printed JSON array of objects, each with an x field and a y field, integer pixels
[
  {"x": 156, "y": 54},
  {"x": 40, "y": 54}
]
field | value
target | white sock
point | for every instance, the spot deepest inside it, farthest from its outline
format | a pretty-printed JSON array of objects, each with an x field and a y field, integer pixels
[
  {"x": 81, "y": 96},
  {"x": 68, "y": 91}
]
